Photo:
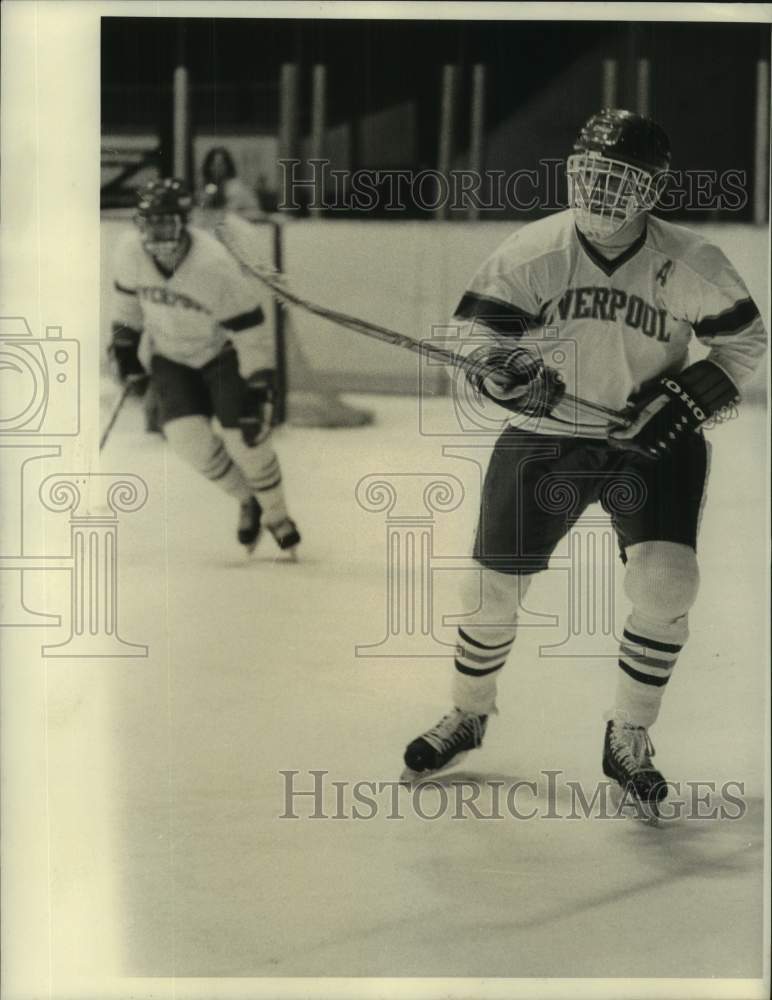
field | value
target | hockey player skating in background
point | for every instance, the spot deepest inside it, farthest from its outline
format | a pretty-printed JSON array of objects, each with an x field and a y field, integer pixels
[
  {"x": 628, "y": 290},
  {"x": 188, "y": 321}
]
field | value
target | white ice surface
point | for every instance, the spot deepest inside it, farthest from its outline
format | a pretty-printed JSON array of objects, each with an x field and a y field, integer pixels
[{"x": 252, "y": 671}]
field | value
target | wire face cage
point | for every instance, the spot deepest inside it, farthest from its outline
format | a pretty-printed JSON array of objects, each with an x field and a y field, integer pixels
[{"x": 606, "y": 194}]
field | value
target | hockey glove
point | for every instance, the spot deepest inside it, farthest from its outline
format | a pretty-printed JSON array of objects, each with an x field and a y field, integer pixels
[
  {"x": 255, "y": 424},
  {"x": 673, "y": 406},
  {"x": 517, "y": 381},
  {"x": 124, "y": 350}
]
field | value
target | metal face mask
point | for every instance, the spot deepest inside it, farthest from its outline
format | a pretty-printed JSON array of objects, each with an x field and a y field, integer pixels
[{"x": 606, "y": 194}]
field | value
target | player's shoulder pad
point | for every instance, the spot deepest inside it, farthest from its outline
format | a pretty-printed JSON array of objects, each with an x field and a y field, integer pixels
[
  {"x": 211, "y": 254},
  {"x": 127, "y": 257},
  {"x": 681, "y": 244},
  {"x": 536, "y": 240},
  {"x": 207, "y": 243},
  {"x": 129, "y": 243}
]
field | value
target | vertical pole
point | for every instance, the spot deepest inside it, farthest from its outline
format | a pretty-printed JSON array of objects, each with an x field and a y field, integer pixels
[
  {"x": 288, "y": 143},
  {"x": 476, "y": 127},
  {"x": 446, "y": 128},
  {"x": 318, "y": 108},
  {"x": 288, "y": 110},
  {"x": 761, "y": 145},
  {"x": 280, "y": 332},
  {"x": 181, "y": 122},
  {"x": 643, "y": 86},
  {"x": 609, "y": 83},
  {"x": 630, "y": 65},
  {"x": 181, "y": 144}
]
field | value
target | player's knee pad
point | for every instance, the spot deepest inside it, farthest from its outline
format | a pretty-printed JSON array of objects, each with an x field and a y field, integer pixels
[
  {"x": 662, "y": 579},
  {"x": 193, "y": 439},
  {"x": 492, "y": 601}
]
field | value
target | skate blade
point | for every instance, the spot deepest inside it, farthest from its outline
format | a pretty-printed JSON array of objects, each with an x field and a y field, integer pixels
[
  {"x": 410, "y": 777},
  {"x": 646, "y": 813},
  {"x": 287, "y": 556},
  {"x": 250, "y": 547}
]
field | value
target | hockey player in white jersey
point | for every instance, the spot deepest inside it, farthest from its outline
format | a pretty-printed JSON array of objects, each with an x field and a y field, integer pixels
[
  {"x": 187, "y": 320},
  {"x": 629, "y": 291}
]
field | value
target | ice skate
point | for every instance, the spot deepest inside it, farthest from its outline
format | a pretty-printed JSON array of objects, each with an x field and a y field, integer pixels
[
  {"x": 249, "y": 524},
  {"x": 627, "y": 753},
  {"x": 287, "y": 536},
  {"x": 444, "y": 745}
]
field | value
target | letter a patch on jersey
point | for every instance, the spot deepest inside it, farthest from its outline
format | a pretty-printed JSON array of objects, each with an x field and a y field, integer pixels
[{"x": 664, "y": 272}]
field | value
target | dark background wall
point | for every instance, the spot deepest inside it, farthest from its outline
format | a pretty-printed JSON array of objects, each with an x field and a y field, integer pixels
[{"x": 543, "y": 80}]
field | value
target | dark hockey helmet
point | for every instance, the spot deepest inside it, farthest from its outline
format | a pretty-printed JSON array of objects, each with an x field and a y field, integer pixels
[
  {"x": 617, "y": 170},
  {"x": 163, "y": 207},
  {"x": 626, "y": 137}
]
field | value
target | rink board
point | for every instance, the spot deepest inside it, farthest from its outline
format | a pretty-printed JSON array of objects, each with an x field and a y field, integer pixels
[{"x": 408, "y": 276}]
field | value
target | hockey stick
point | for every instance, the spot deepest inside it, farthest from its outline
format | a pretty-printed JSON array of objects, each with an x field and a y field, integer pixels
[
  {"x": 270, "y": 280},
  {"x": 125, "y": 392}
]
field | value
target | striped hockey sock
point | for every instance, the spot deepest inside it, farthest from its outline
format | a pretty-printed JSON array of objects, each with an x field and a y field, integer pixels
[
  {"x": 478, "y": 662},
  {"x": 225, "y": 473},
  {"x": 647, "y": 655},
  {"x": 261, "y": 469},
  {"x": 267, "y": 487}
]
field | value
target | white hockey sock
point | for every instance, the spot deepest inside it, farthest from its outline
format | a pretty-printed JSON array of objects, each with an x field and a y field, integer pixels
[
  {"x": 486, "y": 636},
  {"x": 647, "y": 656},
  {"x": 260, "y": 467},
  {"x": 234, "y": 483},
  {"x": 225, "y": 473},
  {"x": 193, "y": 439},
  {"x": 267, "y": 487},
  {"x": 479, "y": 658}
]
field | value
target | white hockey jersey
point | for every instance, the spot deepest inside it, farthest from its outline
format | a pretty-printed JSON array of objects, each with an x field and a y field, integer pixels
[
  {"x": 190, "y": 315},
  {"x": 610, "y": 326}
]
